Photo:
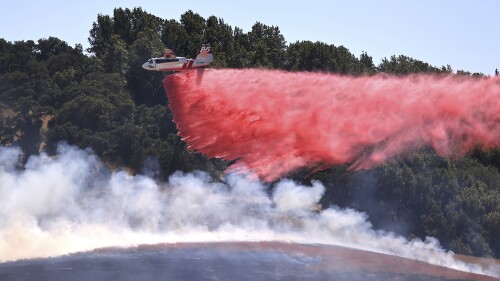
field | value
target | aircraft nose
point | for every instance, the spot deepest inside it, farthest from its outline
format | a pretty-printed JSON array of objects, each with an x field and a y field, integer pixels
[{"x": 145, "y": 65}]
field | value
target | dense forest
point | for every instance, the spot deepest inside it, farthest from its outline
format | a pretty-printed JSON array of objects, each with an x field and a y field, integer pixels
[{"x": 102, "y": 99}]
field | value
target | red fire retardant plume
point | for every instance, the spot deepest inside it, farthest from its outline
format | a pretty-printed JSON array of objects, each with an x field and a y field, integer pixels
[{"x": 274, "y": 122}]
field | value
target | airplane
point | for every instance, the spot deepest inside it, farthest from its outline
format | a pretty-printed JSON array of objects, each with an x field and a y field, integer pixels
[{"x": 169, "y": 62}]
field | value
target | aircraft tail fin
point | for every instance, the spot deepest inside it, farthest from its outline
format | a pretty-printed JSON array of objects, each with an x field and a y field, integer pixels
[{"x": 205, "y": 54}]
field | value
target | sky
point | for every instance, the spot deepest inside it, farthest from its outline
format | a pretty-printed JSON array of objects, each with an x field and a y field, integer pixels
[{"x": 463, "y": 33}]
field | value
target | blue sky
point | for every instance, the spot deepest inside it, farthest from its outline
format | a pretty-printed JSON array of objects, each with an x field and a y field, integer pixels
[{"x": 464, "y": 34}]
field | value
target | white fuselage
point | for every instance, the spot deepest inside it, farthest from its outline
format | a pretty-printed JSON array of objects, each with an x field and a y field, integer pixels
[{"x": 177, "y": 63}]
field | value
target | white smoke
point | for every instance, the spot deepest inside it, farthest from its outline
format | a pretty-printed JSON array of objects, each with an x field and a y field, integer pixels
[{"x": 70, "y": 203}]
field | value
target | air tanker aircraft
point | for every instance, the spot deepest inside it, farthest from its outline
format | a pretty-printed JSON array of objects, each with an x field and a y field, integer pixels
[{"x": 169, "y": 62}]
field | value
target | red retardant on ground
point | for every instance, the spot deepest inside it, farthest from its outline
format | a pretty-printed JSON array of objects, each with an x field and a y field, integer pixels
[{"x": 274, "y": 122}]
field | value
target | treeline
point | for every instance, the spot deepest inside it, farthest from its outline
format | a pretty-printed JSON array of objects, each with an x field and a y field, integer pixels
[
  {"x": 423, "y": 194},
  {"x": 101, "y": 98}
]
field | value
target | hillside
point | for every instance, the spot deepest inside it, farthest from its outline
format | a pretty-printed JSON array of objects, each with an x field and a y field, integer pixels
[{"x": 101, "y": 98}]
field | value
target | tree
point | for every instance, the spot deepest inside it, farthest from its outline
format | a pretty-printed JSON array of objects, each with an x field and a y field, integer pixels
[
  {"x": 115, "y": 58},
  {"x": 145, "y": 86},
  {"x": 195, "y": 26},
  {"x": 51, "y": 47},
  {"x": 125, "y": 24},
  {"x": 267, "y": 46},
  {"x": 5, "y": 55},
  {"x": 403, "y": 65},
  {"x": 367, "y": 64},
  {"x": 98, "y": 105},
  {"x": 220, "y": 36},
  {"x": 319, "y": 56},
  {"x": 174, "y": 36},
  {"x": 345, "y": 61},
  {"x": 122, "y": 25},
  {"x": 464, "y": 73},
  {"x": 469, "y": 74},
  {"x": 240, "y": 57},
  {"x": 309, "y": 56},
  {"x": 100, "y": 35}
]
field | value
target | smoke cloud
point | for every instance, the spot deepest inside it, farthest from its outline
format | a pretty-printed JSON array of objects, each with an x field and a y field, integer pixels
[
  {"x": 71, "y": 202},
  {"x": 274, "y": 122}
]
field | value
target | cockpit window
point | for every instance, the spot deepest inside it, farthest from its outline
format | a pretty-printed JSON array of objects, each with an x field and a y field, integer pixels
[{"x": 150, "y": 61}]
